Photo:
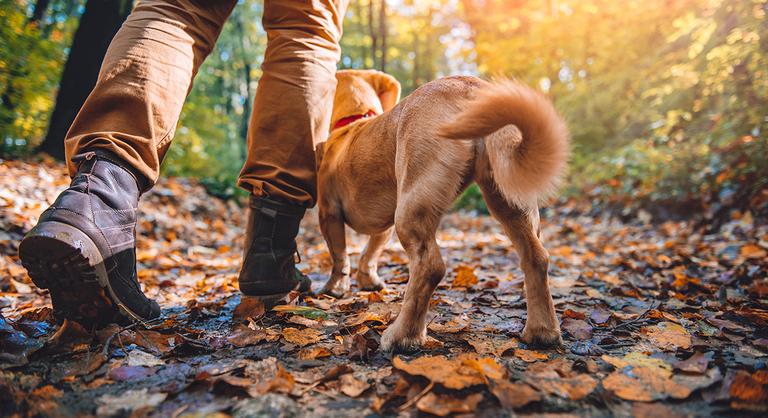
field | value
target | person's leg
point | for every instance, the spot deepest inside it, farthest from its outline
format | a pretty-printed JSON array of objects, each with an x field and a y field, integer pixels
[
  {"x": 144, "y": 79},
  {"x": 292, "y": 107},
  {"x": 83, "y": 247},
  {"x": 291, "y": 114}
]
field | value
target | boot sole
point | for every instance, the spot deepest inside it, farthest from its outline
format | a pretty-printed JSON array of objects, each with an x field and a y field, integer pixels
[{"x": 64, "y": 260}]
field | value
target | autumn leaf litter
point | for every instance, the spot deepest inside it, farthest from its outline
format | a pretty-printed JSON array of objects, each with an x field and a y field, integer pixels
[{"x": 657, "y": 318}]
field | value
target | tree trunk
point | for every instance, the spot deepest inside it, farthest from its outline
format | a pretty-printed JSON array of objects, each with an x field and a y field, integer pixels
[
  {"x": 38, "y": 13},
  {"x": 383, "y": 35},
  {"x": 361, "y": 30},
  {"x": 372, "y": 33},
  {"x": 98, "y": 25},
  {"x": 245, "y": 47}
]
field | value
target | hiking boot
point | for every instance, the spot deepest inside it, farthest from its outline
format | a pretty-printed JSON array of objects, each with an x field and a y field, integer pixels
[
  {"x": 83, "y": 249},
  {"x": 269, "y": 261}
]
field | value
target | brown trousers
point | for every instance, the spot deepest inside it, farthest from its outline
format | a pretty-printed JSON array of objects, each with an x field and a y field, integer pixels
[{"x": 148, "y": 71}]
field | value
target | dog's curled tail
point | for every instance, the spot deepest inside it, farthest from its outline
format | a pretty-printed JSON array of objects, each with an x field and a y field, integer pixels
[{"x": 527, "y": 170}]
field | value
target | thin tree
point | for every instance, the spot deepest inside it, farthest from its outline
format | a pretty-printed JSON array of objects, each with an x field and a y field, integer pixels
[
  {"x": 100, "y": 22},
  {"x": 372, "y": 32},
  {"x": 383, "y": 35}
]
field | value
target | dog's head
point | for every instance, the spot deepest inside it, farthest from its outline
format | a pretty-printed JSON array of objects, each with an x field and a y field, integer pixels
[{"x": 359, "y": 92}]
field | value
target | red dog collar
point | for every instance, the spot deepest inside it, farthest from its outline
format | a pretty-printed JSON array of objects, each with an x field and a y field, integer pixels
[{"x": 349, "y": 119}]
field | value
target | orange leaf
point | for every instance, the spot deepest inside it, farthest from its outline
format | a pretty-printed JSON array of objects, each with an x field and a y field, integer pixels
[
  {"x": 465, "y": 277},
  {"x": 302, "y": 337}
]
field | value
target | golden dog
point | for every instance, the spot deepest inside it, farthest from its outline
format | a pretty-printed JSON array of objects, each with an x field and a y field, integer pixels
[{"x": 389, "y": 164}]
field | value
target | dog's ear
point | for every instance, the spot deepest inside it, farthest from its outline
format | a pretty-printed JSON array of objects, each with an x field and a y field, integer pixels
[{"x": 386, "y": 87}]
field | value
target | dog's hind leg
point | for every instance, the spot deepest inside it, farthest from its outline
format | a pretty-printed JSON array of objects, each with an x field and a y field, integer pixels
[
  {"x": 521, "y": 226},
  {"x": 416, "y": 228},
  {"x": 367, "y": 275},
  {"x": 332, "y": 227}
]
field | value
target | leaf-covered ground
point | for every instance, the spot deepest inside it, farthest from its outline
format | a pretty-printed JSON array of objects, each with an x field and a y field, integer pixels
[{"x": 666, "y": 319}]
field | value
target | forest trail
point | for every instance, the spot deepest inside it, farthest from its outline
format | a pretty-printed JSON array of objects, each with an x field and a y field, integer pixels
[{"x": 665, "y": 319}]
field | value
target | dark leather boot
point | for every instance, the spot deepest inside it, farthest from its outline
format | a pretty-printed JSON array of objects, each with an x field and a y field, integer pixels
[
  {"x": 269, "y": 260},
  {"x": 83, "y": 249}
]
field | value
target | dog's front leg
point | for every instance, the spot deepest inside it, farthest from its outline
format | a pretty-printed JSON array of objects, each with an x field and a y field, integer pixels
[
  {"x": 332, "y": 226},
  {"x": 367, "y": 275}
]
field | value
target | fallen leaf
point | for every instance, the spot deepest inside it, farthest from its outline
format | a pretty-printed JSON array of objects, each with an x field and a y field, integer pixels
[
  {"x": 578, "y": 328},
  {"x": 453, "y": 326},
  {"x": 363, "y": 317},
  {"x": 305, "y": 311},
  {"x": 574, "y": 388},
  {"x": 281, "y": 382},
  {"x": 444, "y": 405},
  {"x": 569, "y": 313},
  {"x": 753, "y": 251},
  {"x": 513, "y": 395},
  {"x": 249, "y": 308},
  {"x": 142, "y": 358},
  {"x": 490, "y": 344},
  {"x": 351, "y": 386},
  {"x": 465, "y": 277},
  {"x": 655, "y": 410},
  {"x": 640, "y": 360},
  {"x": 600, "y": 316},
  {"x": 243, "y": 336},
  {"x": 302, "y": 337},
  {"x": 529, "y": 356},
  {"x": 15, "y": 346},
  {"x": 128, "y": 400},
  {"x": 311, "y": 353},
  {"x": 668, "y": 336},
  {"x": 459, "y": 373},
  {"x": 129, "y": 373},
  {"x": 71, "y": 336},
  {"x": 750, "y": 388},
  {"x": 697, "y": 363},
  {"x": 644, "y": 384}
]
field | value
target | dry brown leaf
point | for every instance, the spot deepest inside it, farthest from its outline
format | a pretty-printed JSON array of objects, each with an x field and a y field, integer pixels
[
  {"x": 465, "y": 277},
  {"x": 668, "y": 336},
  {"x": 453, "y": 326},
  {"x": 753, "y": 251},
  {"x": 530, "y": 356},
  {"x": 574, "y": 388},
  {"x": 459, "y": 373},
  {"x": 578, "y": 328},
  {"x": 362, "y": 317},
  {"x": 639, "y": 360},
  {"x": 249, "y": 308},
  {"x": 302, "y": 337},
  {"x": 513, "y": 395},
  {"x": 311, "y": 353},
  {"x": 750, "y": 388},
  {"x": 444, "y": 405},
  {"x": 351, "y": 386},
  {"x": 490, "y": 344},
  {"x": 71, "y": 336},
  {"x": 698, "y": 363},
  {"x": 242, "y": 336},
  {"x": 644, "y": 384},
  {"x": 281, "y": 382}
]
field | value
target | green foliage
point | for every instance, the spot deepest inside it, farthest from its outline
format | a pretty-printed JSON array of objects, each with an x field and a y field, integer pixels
[
  {"x": 471, "y": 199},
  {"x": 30, "y": 66},
  {"x": 666, "y": 100}
]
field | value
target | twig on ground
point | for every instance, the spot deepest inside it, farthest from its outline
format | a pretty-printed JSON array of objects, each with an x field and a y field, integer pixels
[
  {"x": 633, "y": 320},
  {"x": 416, "y": 398}
]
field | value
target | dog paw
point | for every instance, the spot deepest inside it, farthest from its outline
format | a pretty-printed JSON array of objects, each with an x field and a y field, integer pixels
[
  {"x": 395, "y": 341},
  {"x": 370, "y": 282},
  {"x": 539, "y": 336},
  {"x": 336, "y": 287}
]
